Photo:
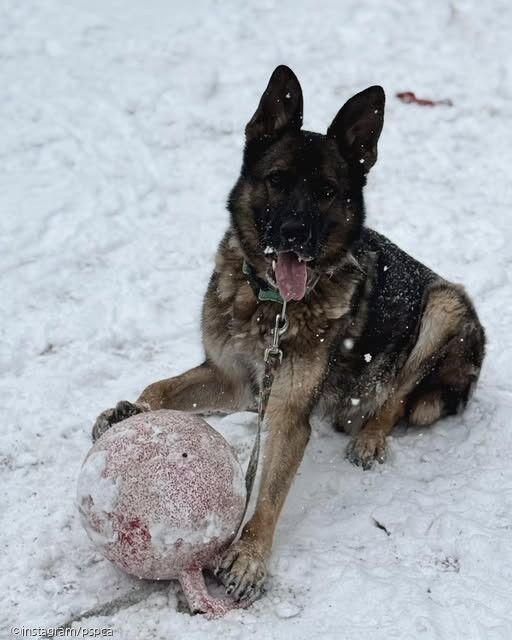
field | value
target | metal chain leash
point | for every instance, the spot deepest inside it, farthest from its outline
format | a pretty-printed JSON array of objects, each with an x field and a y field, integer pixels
[{"x": 272, "y": 358}]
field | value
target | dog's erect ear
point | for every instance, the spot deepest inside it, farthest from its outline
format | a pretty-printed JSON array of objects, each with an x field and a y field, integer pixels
[
  {"x": 280, "y": 106},
  {"x": 358, "y": 125}
]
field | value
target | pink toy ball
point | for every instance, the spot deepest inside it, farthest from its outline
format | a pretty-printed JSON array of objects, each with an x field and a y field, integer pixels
[{"x": 161, "y": 494}]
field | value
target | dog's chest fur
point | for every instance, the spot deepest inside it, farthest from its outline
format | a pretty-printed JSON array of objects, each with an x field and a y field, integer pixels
[{"x": 234, "y": 315}]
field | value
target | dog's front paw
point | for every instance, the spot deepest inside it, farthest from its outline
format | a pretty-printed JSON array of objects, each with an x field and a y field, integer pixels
[
  {"x": 242, "y": 571},
  {"x": 366, "y": 448},
  {"x": 105, "y": 420}
]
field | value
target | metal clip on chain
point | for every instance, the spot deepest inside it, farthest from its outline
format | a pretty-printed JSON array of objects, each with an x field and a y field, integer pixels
[{"x": 280, "y": 328}]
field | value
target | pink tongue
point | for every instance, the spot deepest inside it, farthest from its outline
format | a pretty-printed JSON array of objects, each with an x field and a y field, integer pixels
[{"x": 291, "y": 276}]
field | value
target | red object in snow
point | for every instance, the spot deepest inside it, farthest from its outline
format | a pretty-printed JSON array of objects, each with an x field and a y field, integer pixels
[
  {"x": 161, "y": 494},
  {"x": 409, "y": 97}
]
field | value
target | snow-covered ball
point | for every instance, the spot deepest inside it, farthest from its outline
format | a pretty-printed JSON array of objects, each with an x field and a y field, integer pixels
[{"x": 161, "y": 493}]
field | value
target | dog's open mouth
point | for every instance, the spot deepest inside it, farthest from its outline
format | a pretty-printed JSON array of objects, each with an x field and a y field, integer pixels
[{"x": 291, "y": 275}]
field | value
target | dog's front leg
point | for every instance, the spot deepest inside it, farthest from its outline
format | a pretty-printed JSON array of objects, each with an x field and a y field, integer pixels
[
  {"x": 242, "y": 569},
  {"x": 201, "y": 389}
]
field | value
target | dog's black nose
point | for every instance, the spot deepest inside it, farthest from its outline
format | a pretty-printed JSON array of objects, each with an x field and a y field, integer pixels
[{"x": 294, "y": 234}]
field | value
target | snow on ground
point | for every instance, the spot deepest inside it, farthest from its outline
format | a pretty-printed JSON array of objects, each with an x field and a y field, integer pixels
[{"x": 122, "y": 135}]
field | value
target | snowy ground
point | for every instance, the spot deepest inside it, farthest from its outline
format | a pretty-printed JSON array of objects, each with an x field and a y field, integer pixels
[{"x": 121, "y": 137}]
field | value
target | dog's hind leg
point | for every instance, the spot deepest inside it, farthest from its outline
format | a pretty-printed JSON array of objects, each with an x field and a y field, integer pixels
[
  {"x": 437, "y": 377},
  {"x": 200, "y": 390},
  {"x": 446, "y": 390}
]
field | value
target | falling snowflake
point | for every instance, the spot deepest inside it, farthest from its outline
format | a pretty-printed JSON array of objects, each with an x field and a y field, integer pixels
[{"x": 348, "y": 343}]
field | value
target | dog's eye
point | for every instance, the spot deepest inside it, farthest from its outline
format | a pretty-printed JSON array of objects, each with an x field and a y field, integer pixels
[{"x": 277, "y": 179}]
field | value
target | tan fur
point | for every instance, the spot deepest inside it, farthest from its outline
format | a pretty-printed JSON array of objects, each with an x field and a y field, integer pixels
[
  {"x": 443, "y": 314},
  {"x": 241, "y": 341},
  {"x": 288, "y": 422},
  {"x": 426, "y": 411},
  {"x": 202, "y": 389}
]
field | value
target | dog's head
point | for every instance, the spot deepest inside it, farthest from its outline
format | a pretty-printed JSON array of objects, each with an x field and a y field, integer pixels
[{"x": 297, "y": 207}]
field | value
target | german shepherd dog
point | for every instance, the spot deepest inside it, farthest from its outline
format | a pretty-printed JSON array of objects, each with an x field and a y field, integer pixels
[{"x": 374, "y": 336}]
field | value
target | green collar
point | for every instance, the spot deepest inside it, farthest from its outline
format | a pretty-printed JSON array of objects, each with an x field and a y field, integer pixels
[{"x": 262, "y": 289}]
